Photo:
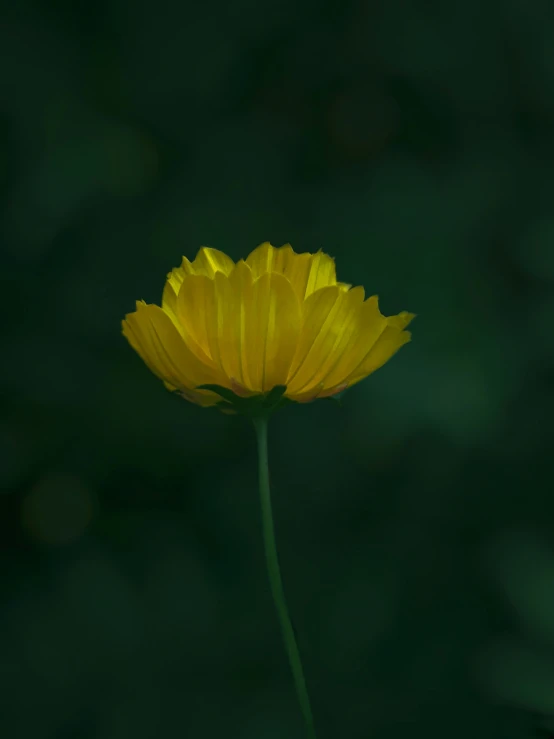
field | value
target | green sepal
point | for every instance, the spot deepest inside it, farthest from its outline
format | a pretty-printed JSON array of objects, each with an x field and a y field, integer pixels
[
  {"x": 253, "y": 406},
  {"x": 275, "y": 398},
  {"x": 224, "y": 392}
]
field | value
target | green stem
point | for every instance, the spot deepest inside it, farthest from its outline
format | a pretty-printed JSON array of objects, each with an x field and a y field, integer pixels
[{"x": 260, "y": 424}]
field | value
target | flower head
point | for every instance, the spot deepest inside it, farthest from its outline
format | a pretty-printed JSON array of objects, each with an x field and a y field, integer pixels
[{"x": 275, "y": 320}]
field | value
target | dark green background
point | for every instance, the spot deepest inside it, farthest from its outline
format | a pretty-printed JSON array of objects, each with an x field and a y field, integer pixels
[{"x": 414, "y": 142}]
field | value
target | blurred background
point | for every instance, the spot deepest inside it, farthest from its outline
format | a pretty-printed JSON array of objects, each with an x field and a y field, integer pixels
[{"x": 413, "y": 140}]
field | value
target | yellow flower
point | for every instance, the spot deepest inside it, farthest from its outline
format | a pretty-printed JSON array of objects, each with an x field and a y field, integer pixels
[{"x": 275, "y": 319}]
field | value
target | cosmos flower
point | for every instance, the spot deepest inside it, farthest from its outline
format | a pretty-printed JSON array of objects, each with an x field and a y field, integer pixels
[
  {"x": 273, "y": 328},
  {"x": 275, "y": 319}
]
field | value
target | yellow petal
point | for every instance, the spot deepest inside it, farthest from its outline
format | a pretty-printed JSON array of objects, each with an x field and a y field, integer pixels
[
  {"x": 217, "y": 314},
  {"x": 208, "y": 261},
  {"x": 271, "y": 324},
  {"x": 295, "y": 267},
  {"x": 171, "y": 290},
  {"x": 388, "y": 343},
  {"x": 239, "y": 326},
  {"x": 247, "y": 329},
  {"x": 322, "y": 273},
  {"x": 400, "y": 321},
  {"x": 306, "y": 272},
  {"x": 335, "y": 328},
  {"x": 163, "y": 349},
  {"x": 138, "y": 338},
  {"x": 202, "y": 308},
  {"x": 318, "y": 314},
  {"x": 267, "y": 258},
  {"x": 194, "y": 307},
  {"x": 368, "y": 327}
]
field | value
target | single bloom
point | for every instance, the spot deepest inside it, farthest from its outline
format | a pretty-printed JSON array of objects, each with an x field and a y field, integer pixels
[{"x": 277, "y": 318}]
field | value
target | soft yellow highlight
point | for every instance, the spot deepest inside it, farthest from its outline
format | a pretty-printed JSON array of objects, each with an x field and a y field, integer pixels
[{"x": 276, "y": 318}]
